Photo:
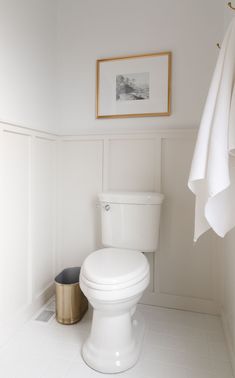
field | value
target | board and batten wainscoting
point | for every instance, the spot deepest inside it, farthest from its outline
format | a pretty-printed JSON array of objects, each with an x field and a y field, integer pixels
[
  {"x": 50, "y": 218},
  {"x": 27, "y": 223},
  {"x": 183, "y": 274}
]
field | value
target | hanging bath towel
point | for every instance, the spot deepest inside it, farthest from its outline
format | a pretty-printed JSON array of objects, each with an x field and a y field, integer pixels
[{"x": 212, "y": 176}]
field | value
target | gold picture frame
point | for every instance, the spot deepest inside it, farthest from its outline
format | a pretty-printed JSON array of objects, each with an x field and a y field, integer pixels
[{"x": 120, "y": 81}]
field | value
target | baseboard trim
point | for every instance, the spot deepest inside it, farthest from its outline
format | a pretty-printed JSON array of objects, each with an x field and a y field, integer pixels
[
  {"x": 181, "y": 303},
  {"x": 228, "y": 339},
  {"x": 9, "y": 327}
]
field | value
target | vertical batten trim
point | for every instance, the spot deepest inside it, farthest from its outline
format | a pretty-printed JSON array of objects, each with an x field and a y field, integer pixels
[
  {"x": 216, "y": 271},
  {"x": 55, "y": 202},
  {"x": 31, "y": 141},
  {"x": 158, "y": 188},
  {"x": 58, "y": 207},
  {"x": 105, "y": 168},
  {"x": 228, "y": 338},
  {"x": 158, "y": 168}
]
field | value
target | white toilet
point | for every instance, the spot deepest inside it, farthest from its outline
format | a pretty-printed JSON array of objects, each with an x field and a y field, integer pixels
[{"x": 114, "y": 278}]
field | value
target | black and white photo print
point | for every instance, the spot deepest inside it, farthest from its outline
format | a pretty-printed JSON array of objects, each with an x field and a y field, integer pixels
[{"x": 134, "y": 86}]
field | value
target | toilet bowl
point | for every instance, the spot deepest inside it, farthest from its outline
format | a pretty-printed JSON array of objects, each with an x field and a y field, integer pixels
[{"x": 114, "y": 280}]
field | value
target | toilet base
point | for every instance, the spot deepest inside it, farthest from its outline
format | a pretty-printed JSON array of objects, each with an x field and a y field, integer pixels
[{"x": 120, "y": 346}]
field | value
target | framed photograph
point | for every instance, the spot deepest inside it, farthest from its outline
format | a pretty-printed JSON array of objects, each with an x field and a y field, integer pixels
[{"x": 134, "y": 86}]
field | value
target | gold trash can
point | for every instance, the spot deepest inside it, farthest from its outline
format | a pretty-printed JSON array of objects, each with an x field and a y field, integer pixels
[{"x": 71, "y": 303}]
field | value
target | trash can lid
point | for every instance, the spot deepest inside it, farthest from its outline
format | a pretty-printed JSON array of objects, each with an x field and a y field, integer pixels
[{"x": 68, "y": 276}]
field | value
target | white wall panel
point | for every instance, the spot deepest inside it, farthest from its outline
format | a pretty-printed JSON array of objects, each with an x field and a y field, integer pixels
[
  {"x": 131, "y": 164},
  {"x": 15, "y": 208},
  {"x": 27, "y": 222},
  {"x": 226, "y": 251},
  {"x": 184, "y": 268},
  {"x": 42, "y": 213},
  {"x": 80, "y": 179},
  {"x": 183, "y": 274}
]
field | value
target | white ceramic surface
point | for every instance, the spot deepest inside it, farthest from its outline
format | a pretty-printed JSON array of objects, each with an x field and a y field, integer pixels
[
  {"x": 114, "y": 279},
  {"x": 177, "y": 344},
  {"x": 136, "y": 198},
  {"x": 131, "y": 220},
  {"x": 115, "y": 339},
  {"x": 112, "y": 268}
]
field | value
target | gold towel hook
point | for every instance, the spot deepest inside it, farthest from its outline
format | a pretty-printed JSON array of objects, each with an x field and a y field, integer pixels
[{"x": 230, "y": 5}]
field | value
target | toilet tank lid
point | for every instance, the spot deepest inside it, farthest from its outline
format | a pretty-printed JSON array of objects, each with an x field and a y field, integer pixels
[{"x": 138, "y": 198}]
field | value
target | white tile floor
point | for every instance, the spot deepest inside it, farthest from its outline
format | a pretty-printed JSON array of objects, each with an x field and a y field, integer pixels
[{"x": 178, "y": 344}]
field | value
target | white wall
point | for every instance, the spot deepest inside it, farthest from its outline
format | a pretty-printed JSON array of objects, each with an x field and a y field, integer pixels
[
  {"x": 79, "y": 181},
  {"x": 227, "y": 289},
  {"x": 183, "y": 274},
  {"x": 41, "y": 82},
  {"x": 30, "y": 258},
  {"x": 228, "y": 13},
  {"x": 226, "y": 253},
  {"x": 27, "y": 223},
  {"x": 90, "y": 29},
  {"x": 27, "y": 63},
  {"x": 49, "y": 49},
  {"x": 27, "y": 162}
]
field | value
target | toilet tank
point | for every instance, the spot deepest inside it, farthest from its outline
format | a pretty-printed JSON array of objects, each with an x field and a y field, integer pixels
[{"x": 130, "y": 220}]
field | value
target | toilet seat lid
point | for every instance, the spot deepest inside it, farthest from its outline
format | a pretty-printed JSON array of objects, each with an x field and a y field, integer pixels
[{"x": 113, "y": 266}]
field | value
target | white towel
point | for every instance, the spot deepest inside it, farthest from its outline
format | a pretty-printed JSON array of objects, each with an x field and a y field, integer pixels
[{"x": 212, "y": 176}]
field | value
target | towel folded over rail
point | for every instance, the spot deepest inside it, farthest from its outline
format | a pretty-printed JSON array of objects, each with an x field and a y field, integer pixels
[{"x": 212, "y": 176}]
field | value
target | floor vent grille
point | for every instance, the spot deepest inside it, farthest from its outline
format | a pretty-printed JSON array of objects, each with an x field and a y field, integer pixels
[{"x": 45, "y": 316}]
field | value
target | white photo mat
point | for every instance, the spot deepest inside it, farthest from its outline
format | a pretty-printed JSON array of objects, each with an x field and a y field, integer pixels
[{"x": 134, "y": 86}]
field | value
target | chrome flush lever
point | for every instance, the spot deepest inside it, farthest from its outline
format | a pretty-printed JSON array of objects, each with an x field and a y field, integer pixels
[{"x": 106, "y": 207}]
